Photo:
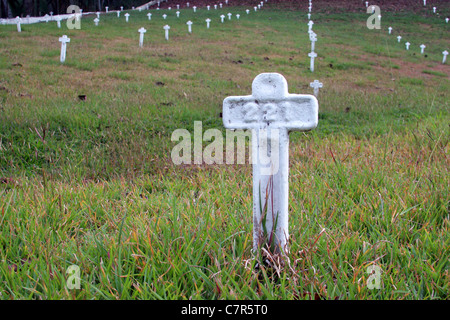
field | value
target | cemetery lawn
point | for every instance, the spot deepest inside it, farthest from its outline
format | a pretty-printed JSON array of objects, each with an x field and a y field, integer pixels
[{"x": 90, "y": 182}]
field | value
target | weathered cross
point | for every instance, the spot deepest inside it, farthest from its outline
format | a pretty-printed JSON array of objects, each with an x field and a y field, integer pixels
[
  {"x": 141, "y": 36},
  {"x": 270, "y": 113},
  {"x": 316, "y": 84},
  {"x": 63, "y": 41}
]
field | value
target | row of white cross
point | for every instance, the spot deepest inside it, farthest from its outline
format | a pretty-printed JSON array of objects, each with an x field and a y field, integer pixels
[{"x": 408, "y": 44}]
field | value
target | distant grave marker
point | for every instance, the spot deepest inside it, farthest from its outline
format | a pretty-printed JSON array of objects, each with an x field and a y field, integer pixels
[
  {"x": 166, "y": 32},
  {"x": 64, "y": 40},
  {"x": 316, "y": 84},
  {"x": 141, "y": 37}
]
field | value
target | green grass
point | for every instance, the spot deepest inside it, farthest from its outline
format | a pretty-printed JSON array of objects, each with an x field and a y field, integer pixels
[{"x": 91, "y": 183}]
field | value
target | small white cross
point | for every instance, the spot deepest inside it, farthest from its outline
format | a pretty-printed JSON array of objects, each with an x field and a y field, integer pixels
[
  {"x": 399, "y": 38},
  {"x": 166, "y": 31},
  {"x": 118, "y": 14},
  {"x": 106, "y": 8},
  {"x": 310, "y": 25},
  {"x": 422, "y": 48},
  {"x": 178, "y": 14},
  {"x": 316, "y": 84},
  {"x": 407, "y": 44},
  {"x": 238, "y": 16},
  {"x": 390, "y": 30},
  {"x": 207, "y": 23},
  {"x": 312, "y": 55},
  {"x": 248, "y": 11},
  {"x": 127, "y": 15},
  {"x": 189, "y": 23},
  {"x": 208, "y": 7},
  {"x": 164, "y": 16},
  {"x": 96, "y": 20},
  {"x": 229, "y": 16},
  {"x": 18, "y": 22},
  {"x": 141, "y": 36},
  {"x": 195, "y": 8},
  {"x": 445, "y": 54},
  {"x": 58, "y": 21},
  {"x": 63, "y": 41},
  {"x": 222, "y": 17},
  {"x": 149, "y": 15},
  {"x": 270, "y": 112}
]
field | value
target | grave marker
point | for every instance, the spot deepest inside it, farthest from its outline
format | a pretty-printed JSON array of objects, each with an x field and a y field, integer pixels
[
  {"x": 178, "y": 14},
  {"x": 166, "y": 32},
  {"x": 316, "y": 84},
  {"x": 407, "y": 44},
  {"x": 399, "y": 38},
  {"x": 445, "y": 54},
  {"x": 63, "y": 41},
  {"x": 58, "y": 21},
  {"x": 141, "y": 37},
  {"x": 164, "y": 16},
  {"x": 390, "y": 30},
  {"x": 238, "y": 16},
  {"x": 96, "y": 20},
  {"x": 195, "y": 8},
  {"x": 106, "y": 8},
  {"x": 270, "y": 113},
  {"x": 222, "y": 17},
  {"x": 118, "y": 14},
  {"x": 422, "y": 48},
  {"x": 208, "y": 7},
  {"x": 127, "y": 15},
  {"x": 229, "y": 16},
  {"x": 149, "y": 15},
  {"x": 18, "y": 22},
  {"x": 248, "y": 11},
  {"x": 189, "y": 23},
  {"x": 312, "y": 55},
  {"x": 207, "y": 23}
]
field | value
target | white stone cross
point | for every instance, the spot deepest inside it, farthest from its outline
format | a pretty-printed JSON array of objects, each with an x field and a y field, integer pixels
[
  {"x": 309, "y": 16},
  {"x": 248, "y": 11},
  {"x": 141, "y": 37},
  {"x": 310, "y": 25},
  {"x": 208, "y": 7},
  {"x": 446, "y": 20},
  {"x": 270, "y": 113},
  {"x": 390, "y": 30},
  {"x": 178, "y": 7},
  {"x": 207, "y": 23},
  {"x": 256, "y": 8},
  {"x": 407, "y": 44},
  {"x": 178, "y": 14},
  {"x": 434, "y": 9},
  {"x": 63, "y": 41},
  {"x": 189, "y": 23},
  {"x": 229, "y": 16},
  {"x": 422, "y": 48},
  {"x": 118, "y": 14},
  {"x": 106, "y": 8},
  {"x": 399, "y": 38},
  {"x": 127, "y": 15},
  {"x": 166, "y": 31},
  {"x": 96, "y": 20},
  {"x": 313, "y": 39},
  {"x": 169, "y": 8},
  {"x": 316, "y": 84},
  {"x": 187, "y": 4},
  {"x": 149, "y": 15},
  {"x": 259, "y": 6},
  {"x": 121, "y": 8},
  {"x": 312, "y": 55},
  {"x": 58, "y": 21},
  {"x": 164, "y": 16},
  {"x": 238, "y": 16},
  {"x": 222, "y": 17},
  {"x": 220, "y": 5},
  {"x": 215, "y": 7},
  {"x": 195, "y": 8},
  {"x": 445, "y": 54},
  {"x": 18, "y": 21}
]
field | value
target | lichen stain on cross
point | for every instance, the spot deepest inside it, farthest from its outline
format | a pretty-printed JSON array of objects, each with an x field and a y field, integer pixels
[{"x": 271, "y": 113}]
